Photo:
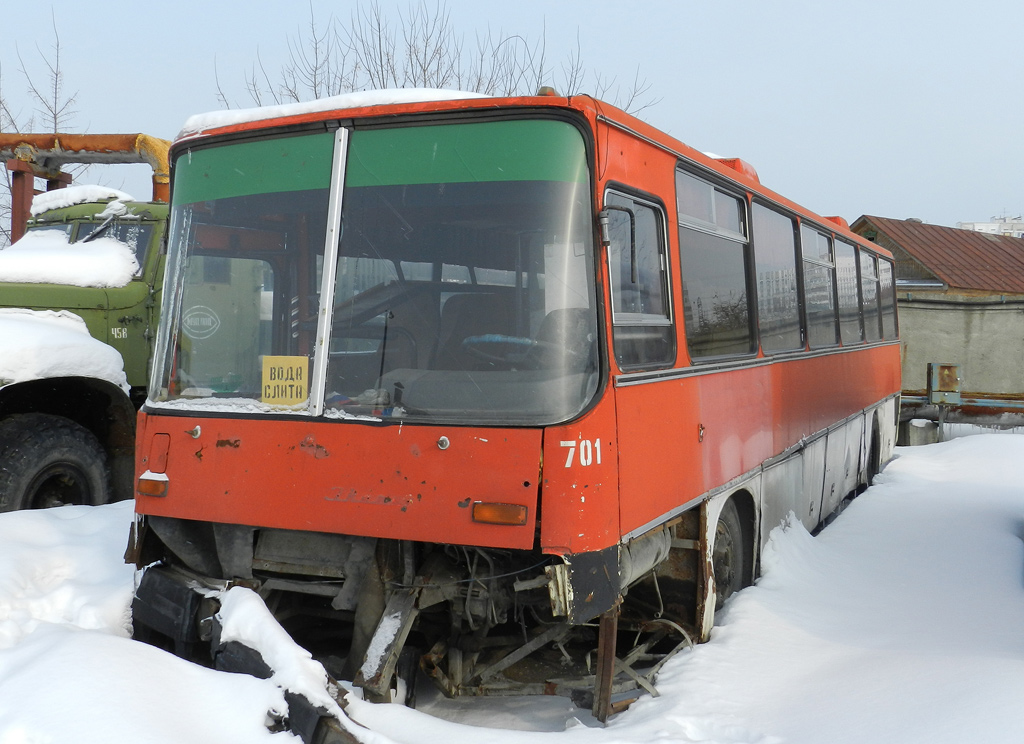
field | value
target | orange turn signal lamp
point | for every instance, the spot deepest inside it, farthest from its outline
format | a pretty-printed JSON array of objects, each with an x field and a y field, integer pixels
[
  {"x": 152, "y": 484},
  {"x": 491, "y": 513}
]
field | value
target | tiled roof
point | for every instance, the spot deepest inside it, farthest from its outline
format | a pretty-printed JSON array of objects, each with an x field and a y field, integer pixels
[{"x": 963, "y": 259}]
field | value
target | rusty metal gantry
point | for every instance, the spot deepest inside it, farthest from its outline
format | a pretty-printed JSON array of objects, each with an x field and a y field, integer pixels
[{"x": 31, "y": 156}]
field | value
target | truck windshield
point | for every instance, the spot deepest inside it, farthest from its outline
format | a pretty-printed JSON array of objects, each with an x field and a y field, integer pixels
[{"x": 463, "y": 283}]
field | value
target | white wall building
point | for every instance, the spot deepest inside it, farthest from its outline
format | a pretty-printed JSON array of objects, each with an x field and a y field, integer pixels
[{"x": 1011, "y": 226}]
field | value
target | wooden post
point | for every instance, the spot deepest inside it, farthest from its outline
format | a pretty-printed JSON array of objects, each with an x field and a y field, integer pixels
[
  {"x": 23, "y": 182},
  {"x": 605, "y": 672}
]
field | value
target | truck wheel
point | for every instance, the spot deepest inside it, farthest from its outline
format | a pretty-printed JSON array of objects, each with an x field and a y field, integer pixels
[{"x": 50, "y": 461}]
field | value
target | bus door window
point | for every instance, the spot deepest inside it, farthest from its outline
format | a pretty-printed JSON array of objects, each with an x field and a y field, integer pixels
[
  {"x": 715, "y": 265},
  {"x": 778, "y": 296},
  {"x": 819, "y": 287},
  {"x": 869, "y": 279},
  {"x": 643, "y": 333},
  {"x": 850, "y": 328}
]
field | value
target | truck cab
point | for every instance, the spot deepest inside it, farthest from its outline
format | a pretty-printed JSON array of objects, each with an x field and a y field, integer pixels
[{"x": 67, "y": 430}]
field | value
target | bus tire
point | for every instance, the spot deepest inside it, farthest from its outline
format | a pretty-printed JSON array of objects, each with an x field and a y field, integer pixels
[
  {"x": 874, "y": 456},
  {"x": 48, "y": 461},
  {"x": 729, "y": 556}
]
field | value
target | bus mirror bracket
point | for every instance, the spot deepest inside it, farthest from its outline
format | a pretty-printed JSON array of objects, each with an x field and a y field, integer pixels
[{"x": 605, "y": 219}]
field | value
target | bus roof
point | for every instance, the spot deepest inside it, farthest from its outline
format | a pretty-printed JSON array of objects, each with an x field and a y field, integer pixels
[{"x": 392, "y": 102}]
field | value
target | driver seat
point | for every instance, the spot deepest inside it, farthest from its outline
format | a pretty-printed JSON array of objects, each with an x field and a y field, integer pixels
[
  {"x": 470, "y": 314},
  {"x": 567, "y": 337}
]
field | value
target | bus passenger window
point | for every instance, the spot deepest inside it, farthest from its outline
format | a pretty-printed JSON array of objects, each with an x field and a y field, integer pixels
[
  {"x": 819, "y": 292},
  {"x": 778, "y": 299},
  {"x": 887, "y": 292},
  {"x": 850, "y": 330},
  {"x": 643, "y": 333},
  {"x": 869, "y": 287},
  {"x": 715, "y": 265}
]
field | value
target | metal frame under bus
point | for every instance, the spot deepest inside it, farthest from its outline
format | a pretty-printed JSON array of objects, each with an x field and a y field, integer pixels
[{"x": 487, "y": 385}]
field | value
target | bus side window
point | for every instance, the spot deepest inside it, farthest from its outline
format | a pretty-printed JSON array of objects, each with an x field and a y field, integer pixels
[
  {"x": 643, "y": 334},
  {"x": 778, "y": 296},
  {"x": 716, "y": 268},
  {"x": 888, "y": 299},
  {"x": 819, "y": 287},
  {"x": 869, "y": 288},
  {"x": 850, "y": 328}
]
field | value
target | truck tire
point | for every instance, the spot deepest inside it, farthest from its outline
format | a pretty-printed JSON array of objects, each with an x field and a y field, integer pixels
[{"x": 50, "y": 461}]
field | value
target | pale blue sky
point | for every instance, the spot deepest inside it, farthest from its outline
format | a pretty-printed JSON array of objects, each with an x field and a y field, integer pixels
[{"x": 898, "y": 108}]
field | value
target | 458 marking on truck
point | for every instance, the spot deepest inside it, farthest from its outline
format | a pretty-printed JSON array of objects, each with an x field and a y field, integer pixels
[{"x": 119, "y": 333}]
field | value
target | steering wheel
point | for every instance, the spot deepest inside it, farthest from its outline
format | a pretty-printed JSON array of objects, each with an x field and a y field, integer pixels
[{"x": 497, "y": 348}]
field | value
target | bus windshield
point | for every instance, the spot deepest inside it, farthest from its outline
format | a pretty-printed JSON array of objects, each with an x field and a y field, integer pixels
[{"x": 461, "y": 290}]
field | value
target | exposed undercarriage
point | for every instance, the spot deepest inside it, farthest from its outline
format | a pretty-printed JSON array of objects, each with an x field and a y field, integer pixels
[{"x": 475, "y": 621}]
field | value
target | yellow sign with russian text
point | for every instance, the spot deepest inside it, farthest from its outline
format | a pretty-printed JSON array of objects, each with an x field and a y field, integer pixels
[{"x": 285, "y": 380}]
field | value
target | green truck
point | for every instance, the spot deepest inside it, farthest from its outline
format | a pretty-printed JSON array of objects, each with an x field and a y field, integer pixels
[{"x": 79, "y": 298}]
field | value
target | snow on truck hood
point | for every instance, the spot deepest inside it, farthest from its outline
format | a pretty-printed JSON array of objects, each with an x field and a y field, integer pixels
[
  {"x": 46, "y": 257},
  {"x": 43, "y": 344},
  {"x": 214, "y": 119}
]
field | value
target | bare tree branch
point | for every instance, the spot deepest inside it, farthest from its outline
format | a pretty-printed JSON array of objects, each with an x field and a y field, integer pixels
[
  {"x": 51, "y": 104},
  {"x": 56, "y": 108},
  {"x": 424, "y": 50}
]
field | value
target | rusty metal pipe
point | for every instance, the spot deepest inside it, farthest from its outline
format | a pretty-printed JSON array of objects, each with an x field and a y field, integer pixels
[{"x": 47, "y": 153}]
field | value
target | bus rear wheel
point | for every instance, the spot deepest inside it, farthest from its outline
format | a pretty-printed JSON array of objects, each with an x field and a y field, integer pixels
[
  {"x": 48, "y": 461},
  {"x": 729, "y": 557}
]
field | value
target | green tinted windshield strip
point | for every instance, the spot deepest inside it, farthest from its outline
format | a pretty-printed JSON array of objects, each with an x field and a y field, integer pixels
[
  {"x": 264, "y": 166},
  {"x": 522, "y": 150}
]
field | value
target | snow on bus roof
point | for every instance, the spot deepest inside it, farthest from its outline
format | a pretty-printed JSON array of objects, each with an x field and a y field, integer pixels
[
  {"x": 43, "y": 344},
  {"x": 212, "y": 120},
  {"x": 73, "y": 195},
  {"x": 46, "y": 257}
]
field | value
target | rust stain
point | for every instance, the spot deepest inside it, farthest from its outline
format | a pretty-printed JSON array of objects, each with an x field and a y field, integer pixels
[
  {"x": 310, "y": 446},
  {"x": 353, "y": 496},
  {"x": 232, "y": 443}
]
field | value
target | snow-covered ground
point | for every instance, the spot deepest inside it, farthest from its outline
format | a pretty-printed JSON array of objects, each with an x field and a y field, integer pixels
[{"x": 902, "y": 622}]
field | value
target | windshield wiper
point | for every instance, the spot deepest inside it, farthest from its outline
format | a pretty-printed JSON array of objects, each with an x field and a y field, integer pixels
[{"x": 104, "y": 226}]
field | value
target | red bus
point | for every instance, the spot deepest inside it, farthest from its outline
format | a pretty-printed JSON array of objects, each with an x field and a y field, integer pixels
[{"x": 485, "y": 383}]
